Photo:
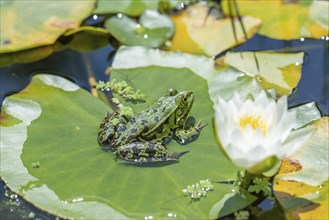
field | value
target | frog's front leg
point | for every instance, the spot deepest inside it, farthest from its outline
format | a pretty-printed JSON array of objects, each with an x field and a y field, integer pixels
[
  {"x": 146, "y": 152},
  {"x": 185, "y": 136},
  {"x": 110, "y": 127}
]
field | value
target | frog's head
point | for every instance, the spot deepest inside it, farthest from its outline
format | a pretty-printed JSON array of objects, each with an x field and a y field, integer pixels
[{"x": 184, "y": 101}]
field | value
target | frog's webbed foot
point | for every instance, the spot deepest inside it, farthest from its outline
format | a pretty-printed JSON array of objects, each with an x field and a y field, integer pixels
[
  {"x": 146, "y": 152},
  {"x": 186, "y": 136}
]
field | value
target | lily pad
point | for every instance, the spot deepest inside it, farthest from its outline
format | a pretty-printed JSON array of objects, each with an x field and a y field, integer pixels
[
  {"x": 152, "y": 30},
  {"x": 287, "y": 19},
  {"x": 58, "y": 131},
  {"x": 198, "y": 33},
  {"x": 25, "y": 25},
  {"x": 302, "y": 183},
  {"x": 279, "y": 71}
]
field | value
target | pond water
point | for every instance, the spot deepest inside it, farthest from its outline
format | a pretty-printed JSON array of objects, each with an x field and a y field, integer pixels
[{"x": 314, "y": 86}]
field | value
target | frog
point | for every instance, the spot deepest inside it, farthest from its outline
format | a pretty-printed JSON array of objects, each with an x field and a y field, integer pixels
[{"x": 144, "y": 137}]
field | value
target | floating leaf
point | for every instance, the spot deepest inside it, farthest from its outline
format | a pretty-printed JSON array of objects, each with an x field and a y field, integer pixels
[
  {"x": 198, "y": 33},
  {"x": 279, "y": 71},
  {"x": 302, "y": 184},
  {"x": 287, "y": 19},
  {"x": 152, "y": 31},
  {"x": 61, "y": 123},
  {"x": 25, "y": 25}
]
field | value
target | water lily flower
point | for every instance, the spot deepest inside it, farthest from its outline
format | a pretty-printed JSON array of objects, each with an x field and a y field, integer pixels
[{"x": 257, "y": 133}]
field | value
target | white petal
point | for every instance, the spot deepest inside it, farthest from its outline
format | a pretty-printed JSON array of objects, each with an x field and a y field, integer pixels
[{"x": 262, "y": 99}]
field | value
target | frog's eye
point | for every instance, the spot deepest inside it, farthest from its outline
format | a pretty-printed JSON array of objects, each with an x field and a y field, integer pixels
[{"x": 172, "y": 92}]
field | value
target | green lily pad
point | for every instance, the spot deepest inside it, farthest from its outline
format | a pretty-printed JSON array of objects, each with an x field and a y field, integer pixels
[
  {"x": 279, "y": 71},
  {"x": 25, "y": 25},
  {"x": 76, "y": 179},
  {"x": 130, "y": 7},
  {"x": 152, "y": 31}
]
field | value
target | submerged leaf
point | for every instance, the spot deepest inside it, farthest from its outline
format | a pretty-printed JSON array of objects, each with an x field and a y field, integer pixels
[
  {"x": 131, "y": 7},
  {"x": 87, "y": 38},
  {"x": 198, "y": 33},
  {"x": 29, "y": 55},
  {"x": 152, "y": 31}
]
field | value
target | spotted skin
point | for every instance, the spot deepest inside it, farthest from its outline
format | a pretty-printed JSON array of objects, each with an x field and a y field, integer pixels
[{"x": 142, "y": 138}]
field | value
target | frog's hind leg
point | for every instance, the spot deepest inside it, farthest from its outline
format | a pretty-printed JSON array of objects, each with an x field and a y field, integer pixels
[{"x": 146, "y": 152}]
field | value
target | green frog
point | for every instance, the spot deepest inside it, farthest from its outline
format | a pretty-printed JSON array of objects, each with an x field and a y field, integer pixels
[{"x": 143, "y": 137}]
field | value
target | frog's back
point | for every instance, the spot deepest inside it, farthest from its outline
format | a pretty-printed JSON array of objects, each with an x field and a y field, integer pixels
[{"x": 153, "y": 117}]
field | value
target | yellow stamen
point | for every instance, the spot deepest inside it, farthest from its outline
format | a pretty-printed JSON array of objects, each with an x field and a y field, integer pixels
[{"x": 254, "y": 121}]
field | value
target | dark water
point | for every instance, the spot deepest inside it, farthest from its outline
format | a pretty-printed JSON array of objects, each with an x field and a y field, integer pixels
[{"x": 314, "y": 86}]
